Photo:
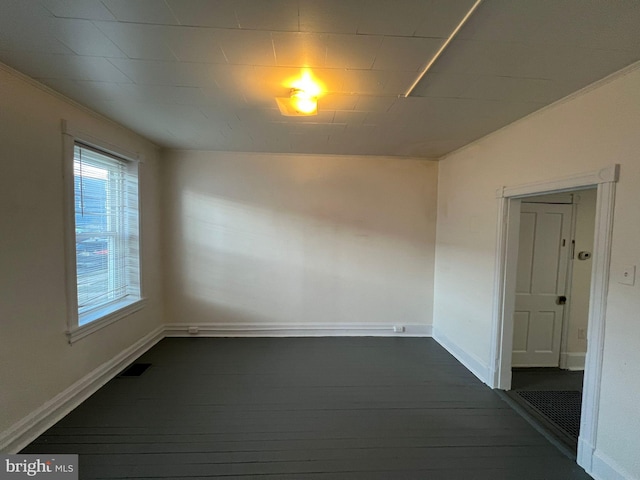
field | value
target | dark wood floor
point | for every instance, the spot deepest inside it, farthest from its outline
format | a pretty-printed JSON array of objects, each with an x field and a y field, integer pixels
[
  {"x": 303, "y": 408},
  {"x": 546, "y": 379}
]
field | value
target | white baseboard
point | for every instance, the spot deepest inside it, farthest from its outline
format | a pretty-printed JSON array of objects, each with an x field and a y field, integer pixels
[
  {"x": 473, "y": 363},
  {"x": 605, "y": 468},
  {"x": 572, "y": 361},
  {"x": 19, "y": 435},
  {"x": 584, "y": 458},
  {"x": 293, "y": 330}
]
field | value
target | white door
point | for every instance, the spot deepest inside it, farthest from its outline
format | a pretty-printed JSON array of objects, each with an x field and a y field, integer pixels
[{"x": 542, "y": 270}]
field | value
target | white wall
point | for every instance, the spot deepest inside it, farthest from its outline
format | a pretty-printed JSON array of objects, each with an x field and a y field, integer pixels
[
  {"x": 284, "y": 239},
  {"x": 587, "y": 132},
  {"x": 36, "y": 362}
]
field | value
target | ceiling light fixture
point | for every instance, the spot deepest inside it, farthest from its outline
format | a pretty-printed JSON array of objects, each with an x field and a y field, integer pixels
[
  {"x": 303, "y": 96},
  {"x": 300, "y": 102}
]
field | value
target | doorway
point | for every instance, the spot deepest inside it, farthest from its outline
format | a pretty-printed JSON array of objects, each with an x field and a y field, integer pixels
[
  {"x": 551, "y": 310},
  {"x": 509, "y": 204}
]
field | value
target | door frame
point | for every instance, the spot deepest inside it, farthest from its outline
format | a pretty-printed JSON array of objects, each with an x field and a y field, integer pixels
[{"x": 509, "y": 199}]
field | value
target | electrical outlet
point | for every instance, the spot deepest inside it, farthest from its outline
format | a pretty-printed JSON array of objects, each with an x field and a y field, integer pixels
[
  {"x": 582, "y": 334},
  {"x": 193, "y": 330},
  {"x": 628, "y": 275},
  {"x": 398, "y": 328}
]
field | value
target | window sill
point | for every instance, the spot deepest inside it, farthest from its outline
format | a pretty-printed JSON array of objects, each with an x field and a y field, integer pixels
[{"x": 100, "y": 318}]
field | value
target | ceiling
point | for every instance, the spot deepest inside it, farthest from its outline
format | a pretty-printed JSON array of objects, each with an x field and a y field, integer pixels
[{"x": 204, "y": 74}]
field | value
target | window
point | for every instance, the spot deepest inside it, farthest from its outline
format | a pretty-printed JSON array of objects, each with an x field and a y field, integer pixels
[{"x": 105, "y": 217}]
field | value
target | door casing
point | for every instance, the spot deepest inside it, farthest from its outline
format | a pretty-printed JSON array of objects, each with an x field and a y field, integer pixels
[{"x": 509, "y": 198}]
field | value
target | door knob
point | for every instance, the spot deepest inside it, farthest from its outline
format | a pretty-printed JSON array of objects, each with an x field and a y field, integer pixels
[{"x": 561, "y": 300}]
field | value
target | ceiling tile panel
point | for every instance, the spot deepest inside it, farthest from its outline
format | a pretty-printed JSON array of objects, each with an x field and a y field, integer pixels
[
  {"x": 352, "y": 82},
  {"x": 397, "y": 83},
  {"x": 336, "y": 101},
  {"x": 278, "y": 15},
  {"x": 39, "y": 37},
  {"x": 567, "y": 22},
  {"x": 371, "y": 82},
  {"x": 309, "y": 145},
  {"x": 350, "y": 117},
  {"x": 156, "y": 120},
  {"x": 195, "y": 44},
  {"x": 86, "y": 91},
  {"x": 402, "y": 19},
  {"x": 147, "y": 42},
  {"x": 444, "y": 85},
  {"x": 572, "y": 22},
  {"x": 84, "y": 38},
  {"x": 324, "y": 116},
  {"x": 487, "y": 87},
  {"x": 318, "y": 50},
  {"x": 247, "y": 47},
  {"x": 166, "y": 73},
  {"x": 503, "y": 113},
  {"x": 215, "y": 96},
  {"x": 405, "y": 17},
  {"x": 506, "y": 21},
  {"x": 205, "y": 13},
  {"x": 258, "y": 85},
  {"x": 162, "y": 94},
  {"x": 84, "y": 9},
  {"x": 404, "y": 53},
  {"x": 71, "y": 67},
  {"x": 576, "y": 65},
  {"x": 295, "y": 49},
  {"x": 217, "y": 115},
  {"x": 563, "y": 63},
  {"x": 375, "y": 119},
  {"x": 257, "y": 117},
  {"x": 316, "y": 129},
  {"x": 141, "y": 11},
  {"x": 375, "y": 104},
  {"x": 488, "y": 58},
  {"x": 259, "y": 139},
  {"x": 331, "y": 16},
  {"x": 352, "y": 51},
  {"x": 442, "y": 17},
  {"x": 241, "y": 77}
]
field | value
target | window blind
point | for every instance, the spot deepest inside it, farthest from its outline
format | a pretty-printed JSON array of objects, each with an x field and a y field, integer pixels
[{"x": 106, "y": 223}]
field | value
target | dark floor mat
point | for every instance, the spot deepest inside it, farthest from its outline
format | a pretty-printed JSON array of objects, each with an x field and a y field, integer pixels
[{"x": 562, "y": 408}]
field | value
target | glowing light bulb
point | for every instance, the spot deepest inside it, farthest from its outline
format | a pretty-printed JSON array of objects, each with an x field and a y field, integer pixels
[
  {"x": 303, "y": 101},
  {"x": 303, "y": 96},
  {"x": 307, "y": 84}
]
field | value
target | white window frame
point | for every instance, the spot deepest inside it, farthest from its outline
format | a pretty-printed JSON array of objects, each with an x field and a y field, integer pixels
[{"x": 110, "y": 313}]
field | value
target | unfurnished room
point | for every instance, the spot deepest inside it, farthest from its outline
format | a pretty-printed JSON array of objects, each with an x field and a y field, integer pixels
[{"x": 320, "y": 239}]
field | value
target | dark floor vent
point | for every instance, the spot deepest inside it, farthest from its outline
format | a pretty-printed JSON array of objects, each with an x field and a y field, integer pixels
[
  {"x": 561, "y": 407},
  {"x": 135, "y": 370}
]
